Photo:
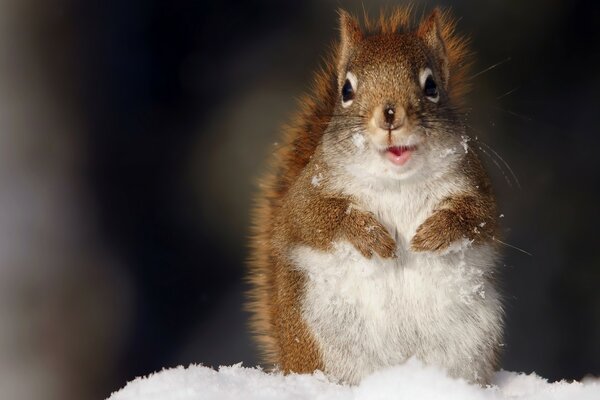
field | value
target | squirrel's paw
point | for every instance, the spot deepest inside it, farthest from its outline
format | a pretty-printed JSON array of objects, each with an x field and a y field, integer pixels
[
  {"x": 368, "y": 235},
  {"x": 437, "y": 232}
]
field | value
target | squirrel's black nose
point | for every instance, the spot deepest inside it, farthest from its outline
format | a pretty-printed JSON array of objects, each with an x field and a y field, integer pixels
[
  {"x": 391, "y": 117},
  {"x": 389, "y": 114}
]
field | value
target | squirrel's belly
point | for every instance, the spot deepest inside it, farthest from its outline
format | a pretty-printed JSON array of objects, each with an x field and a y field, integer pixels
[{"x": 366, "y": 314}]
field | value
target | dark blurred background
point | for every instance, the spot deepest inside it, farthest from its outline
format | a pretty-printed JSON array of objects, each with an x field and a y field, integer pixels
[{"x": 131, "y": 134}]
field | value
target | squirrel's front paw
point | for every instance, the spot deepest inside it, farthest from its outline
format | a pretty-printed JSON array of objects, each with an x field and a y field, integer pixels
[
  {"x": 368, "y": 235},
  {"x": 437, "y": 232}
]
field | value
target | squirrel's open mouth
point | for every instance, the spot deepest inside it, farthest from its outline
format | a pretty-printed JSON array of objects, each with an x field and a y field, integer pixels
[{"x": 399, "y": 155}]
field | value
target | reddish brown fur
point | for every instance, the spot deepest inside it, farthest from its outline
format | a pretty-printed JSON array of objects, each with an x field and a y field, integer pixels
[{"x": 276, "y": 287}]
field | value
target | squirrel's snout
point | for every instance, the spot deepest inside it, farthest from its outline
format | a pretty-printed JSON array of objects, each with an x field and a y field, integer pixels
[{"x": 391, "y": 117}]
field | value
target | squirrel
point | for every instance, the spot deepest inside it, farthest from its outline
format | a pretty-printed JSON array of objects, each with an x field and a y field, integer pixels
[{"x": 373, "y": 236}]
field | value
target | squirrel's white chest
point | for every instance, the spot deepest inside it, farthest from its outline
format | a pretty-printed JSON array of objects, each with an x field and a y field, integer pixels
[{"x": 366, "y": 314}]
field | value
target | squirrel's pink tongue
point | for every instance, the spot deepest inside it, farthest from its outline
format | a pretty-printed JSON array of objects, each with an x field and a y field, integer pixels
[{"x": 399, "y": 155}]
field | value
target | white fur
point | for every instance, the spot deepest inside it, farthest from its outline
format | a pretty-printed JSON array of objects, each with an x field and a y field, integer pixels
[{"x": 370, "y": 313}]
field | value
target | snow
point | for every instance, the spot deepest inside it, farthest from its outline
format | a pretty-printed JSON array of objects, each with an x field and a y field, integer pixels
[
  {"x": 464, "y": 143},
  {"x": 358, "y": 140},
  {"x": 458, "y": 246},
  {"x": 316, "y": 180},
  {"x": 412, "y": 380},
  {"x": 446, "y": 152}
]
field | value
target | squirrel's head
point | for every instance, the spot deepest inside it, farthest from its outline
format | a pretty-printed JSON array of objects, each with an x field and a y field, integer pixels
[{"x": 396, "y": 107}]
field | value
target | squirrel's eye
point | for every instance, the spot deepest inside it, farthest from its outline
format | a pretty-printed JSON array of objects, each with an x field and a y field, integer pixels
[
  {"x": 430, "y": 89},
  {"x": 348, "y": 89}
]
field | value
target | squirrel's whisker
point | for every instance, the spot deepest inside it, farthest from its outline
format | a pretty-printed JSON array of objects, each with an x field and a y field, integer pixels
[
  {"x": 510, "y": 170},
  {"x": 511, "y": 91},
  {"x": 507, "y": 59},
  {"x": 497, "y": 165},
  {"x": 515, "y": 114},
  {"x": 503, "y": 161}
]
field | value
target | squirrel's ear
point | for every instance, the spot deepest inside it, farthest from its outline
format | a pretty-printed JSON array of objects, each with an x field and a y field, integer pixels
[
  {"x": 430, "y": 31},
  {"x": 350, "y": 37}
]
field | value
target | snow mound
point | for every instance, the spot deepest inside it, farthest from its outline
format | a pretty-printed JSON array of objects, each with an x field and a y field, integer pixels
[{"x": 412, "y": 380}]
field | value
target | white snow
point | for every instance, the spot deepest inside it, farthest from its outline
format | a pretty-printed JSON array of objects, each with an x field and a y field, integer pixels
[
  {"x": 446, "y": 152},
  {"x": 464, "y": 142},
  {"x": 458, "y": 246},
  {"x": 412, "y": 380},
  {"x": 358, "y": 140},
  {"x": 316, "y": 180}
]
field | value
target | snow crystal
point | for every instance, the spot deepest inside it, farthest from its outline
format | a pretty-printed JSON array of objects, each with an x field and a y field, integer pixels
[
  {"x": 358, "y": 140},
  {"x": 470, "y": 284},
  {"x": 412, "y": 380},
  {"x": 446, "y": 152},
  {"x": 457, "y": 246},
  {"x": 316, "y": 180},
  {"x": 464, "y": 141},
  {"x": 501, "y": 215},
  {"x": 464, "y": 281}
]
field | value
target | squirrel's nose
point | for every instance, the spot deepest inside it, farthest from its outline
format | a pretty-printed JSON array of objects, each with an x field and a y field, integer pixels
[
  {"x": 389, "y": 114},
  {"x": 393, "y": 117}
]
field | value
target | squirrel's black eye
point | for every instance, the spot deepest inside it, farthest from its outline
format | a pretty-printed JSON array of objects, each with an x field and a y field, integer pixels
[
  {"x": 430, "y": 88},
  {"x": 347, "y": 91}
]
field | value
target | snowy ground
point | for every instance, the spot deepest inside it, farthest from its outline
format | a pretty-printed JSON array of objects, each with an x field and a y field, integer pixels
[{"x": 409, "y": 381}]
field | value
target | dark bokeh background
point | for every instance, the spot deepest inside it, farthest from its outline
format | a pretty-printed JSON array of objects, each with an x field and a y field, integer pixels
[{"x": 131, "y": 134}]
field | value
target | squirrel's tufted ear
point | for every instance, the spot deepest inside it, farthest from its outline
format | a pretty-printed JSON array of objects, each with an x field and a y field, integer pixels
[
  {"x": 350, "y": 37},
  {"x": 430, "y": 31}
]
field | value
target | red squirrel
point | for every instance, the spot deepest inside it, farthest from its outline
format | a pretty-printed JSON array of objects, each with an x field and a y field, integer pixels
[{"x": 373, "y": 232}]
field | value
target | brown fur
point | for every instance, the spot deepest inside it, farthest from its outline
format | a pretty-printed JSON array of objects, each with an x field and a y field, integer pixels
[{"x": 317, "y": 219}]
